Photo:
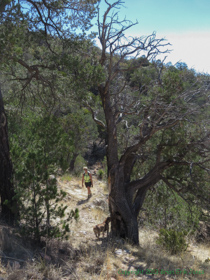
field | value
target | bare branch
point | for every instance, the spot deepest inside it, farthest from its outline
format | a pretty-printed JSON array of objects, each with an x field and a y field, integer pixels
[
  {"x": 94, "y": 117},
  {"x": 174, "y": 189}
]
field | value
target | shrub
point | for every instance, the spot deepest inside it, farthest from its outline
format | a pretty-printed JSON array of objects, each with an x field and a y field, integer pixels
[
  {"x": 100, "y": 174},
  {"x": 39, "y": 199},
  {"x": 79, "y": 164},
  {"x": 164, "y": 208},
  {"x": 172, "y": 240},
  {"x": 35, "y": 158}
]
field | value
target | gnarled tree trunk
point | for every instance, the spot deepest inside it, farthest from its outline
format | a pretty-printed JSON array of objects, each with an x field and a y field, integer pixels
[
  {"x": 123, "y": 212},
  {"x": 126, "y": 199},
  {"x": 124, "y": 218}
]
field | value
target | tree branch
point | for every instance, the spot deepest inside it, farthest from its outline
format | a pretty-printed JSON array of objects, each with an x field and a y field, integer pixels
[
  {"x": 94, "y": 117},
  {"x": 173, "y": 188}
]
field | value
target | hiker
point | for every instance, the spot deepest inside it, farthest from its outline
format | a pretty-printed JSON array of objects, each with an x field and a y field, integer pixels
[{"x": 87, "y": 177}]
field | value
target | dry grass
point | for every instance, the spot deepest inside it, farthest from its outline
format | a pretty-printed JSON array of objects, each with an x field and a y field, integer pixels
[
  {"x": 105, "y": 259},
  {"x": 66, "y": 177},
  {"x": 85, "y": 257},
  {"x": 103, "y": 187},
  {"x": 99, "y": 214}
]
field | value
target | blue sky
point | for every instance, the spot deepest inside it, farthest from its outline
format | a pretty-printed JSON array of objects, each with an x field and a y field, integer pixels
[{"x": 184, "y": 23}]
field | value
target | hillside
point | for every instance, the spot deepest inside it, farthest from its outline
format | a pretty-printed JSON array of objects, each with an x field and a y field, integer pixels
[{"x": 85, "y": 257}]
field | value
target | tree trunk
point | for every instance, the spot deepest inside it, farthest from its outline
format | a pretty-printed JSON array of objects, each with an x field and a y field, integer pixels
[
  {"x": 8, "y": 204},
  {"x": 124, "y": 218},
  {"x": 72, "y": 162},
  {"x": 126, "y": 199}
]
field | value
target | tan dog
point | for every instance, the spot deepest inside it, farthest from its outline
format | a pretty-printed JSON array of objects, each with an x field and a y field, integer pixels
[{"x": 102, "y": 228}]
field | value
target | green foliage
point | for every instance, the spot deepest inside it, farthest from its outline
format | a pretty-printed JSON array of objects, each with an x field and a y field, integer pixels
[
  {"x": 44, "y": 134},
  {"x": 100, "y": 174},
  {"x": 75, "y": 214},
  {"x": 172, "y": 82},
  {"x": 143, "y": 77},
  {"x": 173, "y": 241},
  {"x": 165, "y": 208},
  {"x": 39, "y": 199},
  {"x": 81, "y": 129},
  {"x": 79, "y": 164},
  {"x": 36, "y": 153}
]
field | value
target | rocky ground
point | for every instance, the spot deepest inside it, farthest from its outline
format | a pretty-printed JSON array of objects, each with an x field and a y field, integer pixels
[{"x": 84, "y": 256}]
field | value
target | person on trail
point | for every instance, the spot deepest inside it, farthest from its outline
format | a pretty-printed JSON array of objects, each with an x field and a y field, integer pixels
[{"x": 87, "y": 177}]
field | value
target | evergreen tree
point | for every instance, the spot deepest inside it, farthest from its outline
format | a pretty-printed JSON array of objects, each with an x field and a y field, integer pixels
[
  {"x": 160, "y": 128},
  {"x": 27, "y": 36}
]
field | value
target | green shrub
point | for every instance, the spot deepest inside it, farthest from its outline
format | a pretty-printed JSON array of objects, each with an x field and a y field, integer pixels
[
  {"x": 172, "y": 240},
  {"x": 100, "y": 174},
  {"x": 35, "y": 158},
  {"x": 39, "y": 199},
  {"x": 166, "y": 209},
  {"x": 79, "y": 164}
]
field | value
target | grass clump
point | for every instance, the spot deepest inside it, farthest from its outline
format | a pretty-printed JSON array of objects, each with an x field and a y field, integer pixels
[{"x": 66, "y": 177}]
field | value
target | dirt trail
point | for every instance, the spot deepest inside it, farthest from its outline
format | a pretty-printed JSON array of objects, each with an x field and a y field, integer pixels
[
  {"x": 91, "y": 211},
  {"x": 94, "y": 211},
  {"x": 84, "y": 256}
]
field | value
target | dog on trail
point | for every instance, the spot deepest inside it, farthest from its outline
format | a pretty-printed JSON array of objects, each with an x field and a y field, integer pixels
[{"x": 102, "y": 228}]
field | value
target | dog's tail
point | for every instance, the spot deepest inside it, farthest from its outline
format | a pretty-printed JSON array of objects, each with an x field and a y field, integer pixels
[{"x": 108, "y": 220}]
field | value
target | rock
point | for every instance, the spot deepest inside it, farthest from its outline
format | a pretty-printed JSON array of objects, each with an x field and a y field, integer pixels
[
  {"x": 118, "y": 252},
  {"x": 127, "y": 251},
  {"x": 100, "y": 203},
  {"x": 83, "y": 232}
]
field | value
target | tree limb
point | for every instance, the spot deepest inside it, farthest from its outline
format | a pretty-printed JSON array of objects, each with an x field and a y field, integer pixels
[{"x": 94, "y": 117}]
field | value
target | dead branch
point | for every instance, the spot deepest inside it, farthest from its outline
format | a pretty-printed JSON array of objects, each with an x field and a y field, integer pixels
[{"x": 94, "y": 117}]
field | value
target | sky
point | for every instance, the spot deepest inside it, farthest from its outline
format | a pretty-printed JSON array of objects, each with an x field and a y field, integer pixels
[{"x": 185, "y": 24}]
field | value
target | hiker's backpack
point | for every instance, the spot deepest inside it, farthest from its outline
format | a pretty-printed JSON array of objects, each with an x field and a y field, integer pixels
[{"x": 87, "y": 177}]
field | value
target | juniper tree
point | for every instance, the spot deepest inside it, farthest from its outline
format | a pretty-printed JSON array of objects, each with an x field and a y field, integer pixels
[
  {"x": 31, "y": 31},
  {"x": 160, "y": 128}
]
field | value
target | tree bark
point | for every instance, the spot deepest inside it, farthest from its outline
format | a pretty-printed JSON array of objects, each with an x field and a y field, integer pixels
[
  {"x": 124, "y": 221},
  {"x": 8, "y": 204},
  {"x": 123, "y": 215},
  {"x": 72, "y": 162}
]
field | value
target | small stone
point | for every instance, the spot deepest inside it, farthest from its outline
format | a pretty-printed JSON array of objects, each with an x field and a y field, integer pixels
[
  {"x": 119, "y": 252},
  {"x": 83, "y": 232}
]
